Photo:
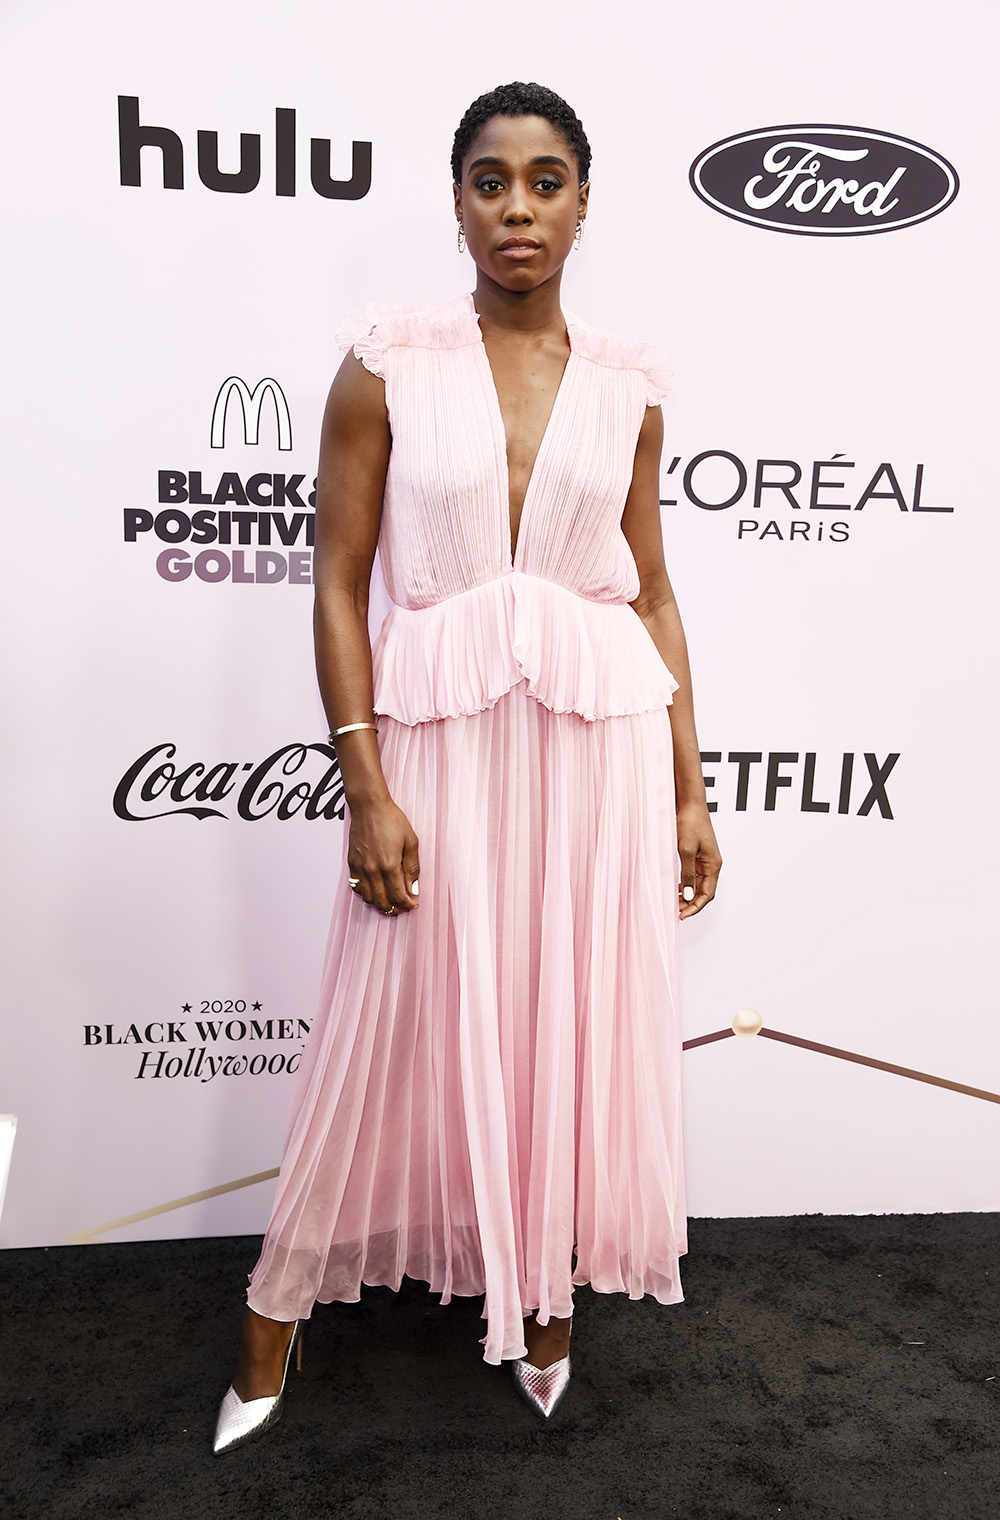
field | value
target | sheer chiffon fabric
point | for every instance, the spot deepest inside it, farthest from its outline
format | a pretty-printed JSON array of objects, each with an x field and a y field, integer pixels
[
  {"x": 492, "y": 1080},
  {"x": 489, "y": 1099}
]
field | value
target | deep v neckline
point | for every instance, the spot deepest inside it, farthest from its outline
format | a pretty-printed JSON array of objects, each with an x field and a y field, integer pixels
[{"x": 513, "y": 544}]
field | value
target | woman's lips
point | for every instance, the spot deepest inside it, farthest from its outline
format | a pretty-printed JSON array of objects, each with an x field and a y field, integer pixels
[{"x": 518, "y": 249}]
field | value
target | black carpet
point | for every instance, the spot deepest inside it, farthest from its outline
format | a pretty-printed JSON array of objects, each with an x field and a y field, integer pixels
[{"x": 842, "y": 1368}]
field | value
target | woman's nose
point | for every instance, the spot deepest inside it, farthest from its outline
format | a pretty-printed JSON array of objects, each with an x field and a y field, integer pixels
[{"x": 517, "y": 209}]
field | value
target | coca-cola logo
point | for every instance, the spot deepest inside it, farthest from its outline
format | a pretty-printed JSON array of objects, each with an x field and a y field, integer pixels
[
  {"x": 296, "y": 780},
  {"x": 824, "y": 181}
]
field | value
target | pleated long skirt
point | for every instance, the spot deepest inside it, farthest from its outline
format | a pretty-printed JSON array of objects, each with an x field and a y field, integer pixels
[{"x": 489, "y": 1097}]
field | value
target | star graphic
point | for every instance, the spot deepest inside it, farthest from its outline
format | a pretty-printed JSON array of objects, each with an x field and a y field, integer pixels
[
  {"x": 257, "y": 1007},
  {"x": 185, "y": 1008}
]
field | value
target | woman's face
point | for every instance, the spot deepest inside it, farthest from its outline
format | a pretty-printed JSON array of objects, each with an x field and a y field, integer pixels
[{"x": 520, "y": 200}]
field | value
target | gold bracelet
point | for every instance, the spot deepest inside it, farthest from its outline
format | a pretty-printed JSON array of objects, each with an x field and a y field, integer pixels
[{"x": 349, "y": 728}]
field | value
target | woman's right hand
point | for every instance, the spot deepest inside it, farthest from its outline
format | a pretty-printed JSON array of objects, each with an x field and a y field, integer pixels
[{"x": 382, "y": 853}]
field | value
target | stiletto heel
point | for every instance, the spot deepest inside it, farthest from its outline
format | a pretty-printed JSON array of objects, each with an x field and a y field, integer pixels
[
  {"x": 238, "y": 1422},
  {"x": 542, "y": 1387}
]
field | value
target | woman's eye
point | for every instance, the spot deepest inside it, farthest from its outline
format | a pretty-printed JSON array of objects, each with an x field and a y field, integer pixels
[
  {"x": 548, "y": 184},
  {"x": 489, "y": 182}
]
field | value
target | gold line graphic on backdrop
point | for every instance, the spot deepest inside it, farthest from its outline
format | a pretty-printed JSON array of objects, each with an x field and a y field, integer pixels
[
  {"x": 84, "y": 1237},
  {"x": 750, "y": 1024}
]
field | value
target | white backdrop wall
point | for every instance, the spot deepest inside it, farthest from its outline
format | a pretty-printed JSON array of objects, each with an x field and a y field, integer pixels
[{"x": 128, "y": 306}]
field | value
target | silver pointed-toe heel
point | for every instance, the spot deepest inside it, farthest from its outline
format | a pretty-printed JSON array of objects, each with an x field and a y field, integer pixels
[
  {"x": 542, "y": 1387},
  {"x": 239, "y": 1422}
]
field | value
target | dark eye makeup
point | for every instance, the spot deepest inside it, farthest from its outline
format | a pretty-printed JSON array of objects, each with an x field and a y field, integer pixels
[{"x": 489, "y": 183}]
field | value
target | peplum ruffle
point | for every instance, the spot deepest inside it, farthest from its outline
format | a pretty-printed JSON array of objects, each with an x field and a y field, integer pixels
[{"x": 461, "y": 655}]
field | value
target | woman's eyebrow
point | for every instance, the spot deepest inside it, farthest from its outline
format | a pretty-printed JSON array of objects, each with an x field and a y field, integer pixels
[{"x": 498, "y": 163}]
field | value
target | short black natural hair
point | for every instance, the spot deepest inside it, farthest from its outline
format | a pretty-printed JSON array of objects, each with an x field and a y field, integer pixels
[{"x": 519, "y": 99}]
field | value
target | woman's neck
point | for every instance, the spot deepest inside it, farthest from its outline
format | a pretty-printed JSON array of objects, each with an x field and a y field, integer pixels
[{"x": 525, "y": 311}]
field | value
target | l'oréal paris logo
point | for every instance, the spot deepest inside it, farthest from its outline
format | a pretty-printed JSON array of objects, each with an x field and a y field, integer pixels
[{"x": 824, "y": 181}]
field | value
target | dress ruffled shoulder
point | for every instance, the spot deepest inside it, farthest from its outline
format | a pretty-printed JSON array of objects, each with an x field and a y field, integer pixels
[
  {"x": 624, "y": 353},
  {"x": 374, "y": 329}
]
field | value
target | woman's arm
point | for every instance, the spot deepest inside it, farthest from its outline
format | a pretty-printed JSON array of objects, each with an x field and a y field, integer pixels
[
  {"x": 655, "y": 604},
  {"x": 353, "y": 460}
]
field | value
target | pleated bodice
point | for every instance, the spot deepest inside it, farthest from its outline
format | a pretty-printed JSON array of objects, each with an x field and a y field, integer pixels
[{"x": 470, "y": 619}]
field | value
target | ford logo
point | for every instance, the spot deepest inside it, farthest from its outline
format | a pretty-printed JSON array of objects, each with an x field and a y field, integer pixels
[{"x": 824, "y": 181}]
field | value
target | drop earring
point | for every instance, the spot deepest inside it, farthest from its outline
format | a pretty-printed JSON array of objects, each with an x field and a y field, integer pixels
[
  {"x": 461, "y": 238},
  {"x": 579, "y": 235}
]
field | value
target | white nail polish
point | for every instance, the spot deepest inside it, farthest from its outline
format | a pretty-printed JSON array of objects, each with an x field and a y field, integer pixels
[
  {"x": 415, "y": 889},
  {"x": 688, "y": 894}
]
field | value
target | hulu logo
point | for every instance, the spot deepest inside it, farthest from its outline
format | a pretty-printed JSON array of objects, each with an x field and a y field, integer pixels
[{"x": 134, "y": 136}]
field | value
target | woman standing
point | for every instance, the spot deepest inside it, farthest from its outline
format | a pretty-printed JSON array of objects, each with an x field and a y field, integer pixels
[{"x": 489, "y": 1100}]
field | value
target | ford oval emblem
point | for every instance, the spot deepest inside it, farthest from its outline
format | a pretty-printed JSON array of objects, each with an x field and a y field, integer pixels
[{"x": 824, "y": 181}]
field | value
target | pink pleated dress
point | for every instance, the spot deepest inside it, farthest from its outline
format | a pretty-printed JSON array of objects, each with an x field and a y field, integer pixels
[{"x": 489, "y": 1098}]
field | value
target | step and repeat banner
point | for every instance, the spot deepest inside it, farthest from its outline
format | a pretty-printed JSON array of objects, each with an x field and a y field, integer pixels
[{"x": 802, "y": 212}]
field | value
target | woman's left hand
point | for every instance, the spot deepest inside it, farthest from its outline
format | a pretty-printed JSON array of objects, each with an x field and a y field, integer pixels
[{"x": 700, "y": 858}]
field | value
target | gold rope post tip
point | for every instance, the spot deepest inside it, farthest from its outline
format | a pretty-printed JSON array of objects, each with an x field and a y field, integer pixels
[{"x": 747, "y": 1022}]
